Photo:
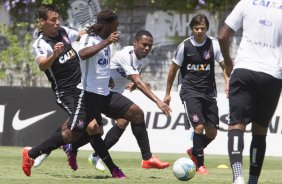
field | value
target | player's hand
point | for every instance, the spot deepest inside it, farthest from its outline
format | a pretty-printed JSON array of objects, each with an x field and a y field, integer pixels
[
  {"x": 58, "y": 49},
  {"x": 130, "y": 86},
  {"x": 164, "y": 107},
  {"x": 167, "y": 99},
  {"x": 227, "y": 89},
  {"x": 113, "y": 38}
]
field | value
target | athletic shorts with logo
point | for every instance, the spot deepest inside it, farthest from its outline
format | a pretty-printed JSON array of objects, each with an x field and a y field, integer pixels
[
  {"x": 72, "y": 101},
  {"x": 114, "y": 106},
  {"x": 202, "y": 110},
  {"x": 253, "y": 96}
]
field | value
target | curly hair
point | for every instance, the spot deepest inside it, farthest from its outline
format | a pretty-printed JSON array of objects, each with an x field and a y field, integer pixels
[{"x": 104, "y": 17}]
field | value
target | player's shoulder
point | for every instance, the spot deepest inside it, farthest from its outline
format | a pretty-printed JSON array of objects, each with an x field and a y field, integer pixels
[
  {"x": 39, "y": 41},
  {"x": 212, "y": 38}
]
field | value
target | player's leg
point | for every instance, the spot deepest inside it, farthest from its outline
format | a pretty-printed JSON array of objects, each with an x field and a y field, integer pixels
[
  {"x": 59, "y": 138},
  {"x": 111, "y": 138},
  {"x": 268, "y": 95},
  {"x": 122, "y": 107},
  {"x": 235, "y": 150},
  {"x": 257, "y": 152},
  {"x": 93, "y": 111}
]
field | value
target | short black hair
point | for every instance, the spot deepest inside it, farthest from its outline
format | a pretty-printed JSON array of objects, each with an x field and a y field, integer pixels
[
  {"x": 199, "y": 18},
  {"x": 45, "y": 8},
  {"x": 141, "y": 33}
]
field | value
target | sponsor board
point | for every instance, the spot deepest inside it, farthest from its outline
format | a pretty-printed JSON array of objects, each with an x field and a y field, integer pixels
[
  {"x": 30, "y": 115},
  {"x": 170, "y": 134}
]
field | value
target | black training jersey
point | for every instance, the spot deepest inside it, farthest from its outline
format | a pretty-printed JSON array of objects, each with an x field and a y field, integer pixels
[
  {"x": 65, "y": 71},
  {"x": 197, "y": 70}
]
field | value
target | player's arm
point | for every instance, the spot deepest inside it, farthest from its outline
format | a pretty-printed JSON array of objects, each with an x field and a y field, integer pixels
[
  {"x": 136, "y": 79},
  {"x": 225, "y": 36},
  {"x": 44, "y": 62},
  {"x": 90, "y": 51},
  {"x": 226, "y": 78},
  {"x": 170, "y": 78}
]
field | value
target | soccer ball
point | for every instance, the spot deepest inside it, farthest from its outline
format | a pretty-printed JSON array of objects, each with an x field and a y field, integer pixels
[{"x": 184, "y": 169}]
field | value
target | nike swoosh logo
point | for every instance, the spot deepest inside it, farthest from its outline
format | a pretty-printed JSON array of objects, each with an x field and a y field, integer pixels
[
  {"x": 19, "y": 124},
  {"x": 190, "y": 54}
]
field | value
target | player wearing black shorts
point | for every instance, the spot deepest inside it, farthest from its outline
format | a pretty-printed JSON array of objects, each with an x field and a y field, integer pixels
[
  {"x": 56, "y": 57},
  {"x": 255, "y": 79},
  {"x": 195, "y": 57},
  {"x": 95, "y": 53}
]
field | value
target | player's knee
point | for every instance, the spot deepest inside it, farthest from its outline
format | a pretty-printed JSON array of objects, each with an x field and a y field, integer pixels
[
  {"x": 211, "y": 134},
  {"x": 122, "y": 123},
  {"x": 199, "y": 129},
  {"x": 136, "y": 114},
  {"x": 67, "y": 136}
]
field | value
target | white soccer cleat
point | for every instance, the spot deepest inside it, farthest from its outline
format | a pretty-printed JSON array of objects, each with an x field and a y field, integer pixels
[
  {"x": 239, "y": 180},
  {"x": 97, "y": 163},
  {"x": 38, "y": 161}
]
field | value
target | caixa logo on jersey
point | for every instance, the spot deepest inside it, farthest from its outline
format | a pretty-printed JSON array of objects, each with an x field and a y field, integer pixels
[
  {"x": 103, "y": 61},
  {"x": 67, "y": 56}
]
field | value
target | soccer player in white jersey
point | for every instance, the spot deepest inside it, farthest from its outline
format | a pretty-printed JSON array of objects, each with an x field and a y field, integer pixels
[
  {"x": 195, "y": 58},
  {"x": 125, "y": 70},
  {"x": 255, "y": 81}
]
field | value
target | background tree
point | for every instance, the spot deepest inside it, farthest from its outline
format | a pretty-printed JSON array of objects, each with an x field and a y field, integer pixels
[{"x": 16, "y": 57}]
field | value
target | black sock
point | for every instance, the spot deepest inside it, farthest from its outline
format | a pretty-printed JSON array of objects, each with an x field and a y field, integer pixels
[
  {"x": 113, "y": 136},
  {"x": 81, "y": 142},
  {"x": 235, "y": 149},
  {"x": 141, "y": 135},
  {"x": 99, "y": 146},
  {"x": 54, "y": 142},
  {"x": 257, "y": 152},
  {"x": 198, "y": 148}
]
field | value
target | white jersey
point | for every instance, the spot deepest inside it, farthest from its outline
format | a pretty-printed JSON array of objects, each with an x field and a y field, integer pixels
[
  {"x": 96, "y": 69},
  {"x": 179, "y": 56},
  {"x": 123, "y": 64},
  {"x": 261, "y": 45}
]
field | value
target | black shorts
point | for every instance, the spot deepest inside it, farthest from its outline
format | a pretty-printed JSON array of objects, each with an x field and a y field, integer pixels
[
  {"x": 114, "y": 106},
  {"x": 253, "y": 96},
  {"x": 202, "y": 110},
  {"x": 72, "y": 101}
]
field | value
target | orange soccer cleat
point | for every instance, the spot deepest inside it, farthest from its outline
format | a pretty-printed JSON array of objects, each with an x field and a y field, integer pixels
[
  {"x": 27, "y": 161},
  {"x": 154, "y": 163},
  {"x": 202, "y": 170},
  {"x": 193, "y": 158}
]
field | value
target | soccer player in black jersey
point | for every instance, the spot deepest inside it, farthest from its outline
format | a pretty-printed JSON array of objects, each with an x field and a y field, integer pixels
[
  {"x": 60, "y": 62},
  {"x": 195, "y": 57}
]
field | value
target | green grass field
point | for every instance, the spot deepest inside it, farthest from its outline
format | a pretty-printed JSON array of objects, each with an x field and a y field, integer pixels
[{"x": 55, "y": 170}]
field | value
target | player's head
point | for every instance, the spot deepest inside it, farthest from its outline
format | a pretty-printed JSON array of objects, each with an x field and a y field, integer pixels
[
  {"x": 142, "y": 43},
  {"x": 49, "y": 19},
  {"x": 199, "y": 26},
  {"x": 107, "y": 23}
]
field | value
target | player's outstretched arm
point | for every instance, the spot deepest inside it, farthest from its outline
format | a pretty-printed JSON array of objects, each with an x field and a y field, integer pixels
[{"x": 136, "y": 79}]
